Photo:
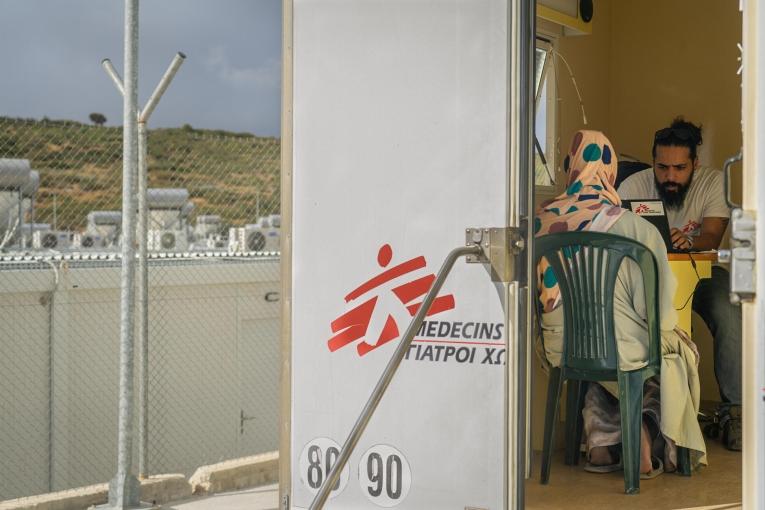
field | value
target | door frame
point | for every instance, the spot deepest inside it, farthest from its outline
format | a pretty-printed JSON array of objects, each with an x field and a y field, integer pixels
[{"x": 753, "y": 194}]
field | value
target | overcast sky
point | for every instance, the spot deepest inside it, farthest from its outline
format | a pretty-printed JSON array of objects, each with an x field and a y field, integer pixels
[{"x": 51, "y": 52}]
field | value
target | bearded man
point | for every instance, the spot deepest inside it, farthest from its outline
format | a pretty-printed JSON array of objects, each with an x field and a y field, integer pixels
[{"x": 698, "y": 216}]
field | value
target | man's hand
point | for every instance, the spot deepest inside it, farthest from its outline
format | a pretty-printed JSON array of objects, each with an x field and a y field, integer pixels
[
  {"x": 712, "y": 230},
  {"x": 680, "y": 240}
]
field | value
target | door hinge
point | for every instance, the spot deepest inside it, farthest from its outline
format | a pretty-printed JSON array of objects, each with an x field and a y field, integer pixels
[
  {"x": 500, "y": 249},
  {"x": 286, "y": 502},
  {"x": 742, "y": 256}
]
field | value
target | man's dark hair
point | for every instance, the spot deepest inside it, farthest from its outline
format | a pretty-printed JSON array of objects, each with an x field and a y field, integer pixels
[{"x": 680, "y": 133}]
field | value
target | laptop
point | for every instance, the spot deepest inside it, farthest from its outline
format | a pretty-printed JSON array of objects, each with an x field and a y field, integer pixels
[{"x": 654, "y": 212}]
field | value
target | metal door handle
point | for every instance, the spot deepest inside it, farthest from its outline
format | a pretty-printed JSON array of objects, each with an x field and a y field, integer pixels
[
  {"x": 726, "y": 178},
  {"x": 243, "y": 418}
]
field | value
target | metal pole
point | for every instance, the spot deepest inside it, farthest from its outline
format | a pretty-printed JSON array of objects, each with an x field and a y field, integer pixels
[
  {"x": 114, "y": 75},
  {"x": 285, "y": 378},
  {"x": 51, "y": 365},
  {"x": 124, "y": 489},
  {"x": 382, "y": 384},
  {"x": 20, "y": 223},
  {"x": 164, "y": 82},
  {"x": 143, "y": 278},
  {"x": 143, "y": 309},
  {"x": 143, "y": 269}
]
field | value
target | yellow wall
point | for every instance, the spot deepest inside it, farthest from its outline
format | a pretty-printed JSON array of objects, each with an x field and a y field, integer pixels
[
  {"x": 590, "y": 60},
  {"x": 671, "y": 57}
]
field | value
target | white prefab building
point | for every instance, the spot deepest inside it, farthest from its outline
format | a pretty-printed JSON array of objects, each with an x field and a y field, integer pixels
[{"x": 213, "y": 367}]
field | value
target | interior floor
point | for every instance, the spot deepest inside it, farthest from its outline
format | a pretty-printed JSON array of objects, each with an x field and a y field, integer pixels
[{"x": 717, "y": 485}]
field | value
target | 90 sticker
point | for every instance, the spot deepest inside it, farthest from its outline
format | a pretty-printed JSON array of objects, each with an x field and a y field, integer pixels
[{"x": 384, "y": 475}]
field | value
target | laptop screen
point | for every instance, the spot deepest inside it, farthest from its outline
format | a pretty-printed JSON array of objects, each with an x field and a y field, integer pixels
[{"x": 653, "y": 211}]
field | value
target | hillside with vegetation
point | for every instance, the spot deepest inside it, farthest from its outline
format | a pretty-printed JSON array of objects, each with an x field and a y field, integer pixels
[{"x": 234, "y": 175}]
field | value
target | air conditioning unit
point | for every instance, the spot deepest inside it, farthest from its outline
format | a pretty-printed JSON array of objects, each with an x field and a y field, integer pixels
[
  {"x": 51, "y": 240},
  {"x": 253, "y": 237},
  {"x": 90, "y": 241},
  {"x": 167, "y": 240}
]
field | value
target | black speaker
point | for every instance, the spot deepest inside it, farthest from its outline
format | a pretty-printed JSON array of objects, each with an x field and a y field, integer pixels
[{"x": 585, "y": 10}]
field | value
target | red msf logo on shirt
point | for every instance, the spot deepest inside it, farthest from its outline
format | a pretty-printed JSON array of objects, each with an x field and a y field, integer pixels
[
  {"x": 354, "y": 324},
  {"x": 690, "y": 227}
]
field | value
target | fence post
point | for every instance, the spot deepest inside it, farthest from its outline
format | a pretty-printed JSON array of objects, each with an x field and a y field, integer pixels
[
  {"x": 143, "y": 308},
  {"x": 143, "y": 276},
  {"x": 124, "y": 489},
  {"x": 143, "y": 268}
]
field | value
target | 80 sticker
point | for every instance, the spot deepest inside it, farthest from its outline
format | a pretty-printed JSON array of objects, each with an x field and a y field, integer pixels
[
  {"x": 384, "y": 475},
  {"x": 316, "y": 460}
]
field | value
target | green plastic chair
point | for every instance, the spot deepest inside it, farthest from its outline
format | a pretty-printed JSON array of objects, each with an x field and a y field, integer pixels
[{"x": 585, "y": 265}]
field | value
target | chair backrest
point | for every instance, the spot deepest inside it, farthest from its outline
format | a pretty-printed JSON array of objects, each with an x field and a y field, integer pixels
[
  {"x": 586, "y": 265},
  {"x": 625, "y": 169}
]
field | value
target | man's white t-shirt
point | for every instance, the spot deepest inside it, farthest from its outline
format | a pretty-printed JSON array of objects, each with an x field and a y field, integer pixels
[{"x": 705, "y": 198}]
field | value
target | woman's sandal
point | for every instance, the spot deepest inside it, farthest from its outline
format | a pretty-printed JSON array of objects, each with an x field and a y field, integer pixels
[
  {"x": 657, "y": 468},
  {"x": 615, "y": 452},
  {"x": 603, "y": 468}
]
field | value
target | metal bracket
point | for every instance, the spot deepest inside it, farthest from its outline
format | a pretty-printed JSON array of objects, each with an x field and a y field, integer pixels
[
  {"x": 499, "y": 249},
  {"x": 741, "y": 256}
]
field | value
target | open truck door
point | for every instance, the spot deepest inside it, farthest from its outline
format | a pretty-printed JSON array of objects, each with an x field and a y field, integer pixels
[
  {"x": 747, "y": 282},
  {"x": 406, "y": 134}
]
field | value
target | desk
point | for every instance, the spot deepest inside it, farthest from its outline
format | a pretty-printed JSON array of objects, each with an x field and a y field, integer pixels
[{"x": 681, "y": 266}]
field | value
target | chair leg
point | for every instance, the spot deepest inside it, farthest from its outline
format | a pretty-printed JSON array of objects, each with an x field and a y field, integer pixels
[
  {"x": 551, "y": 416},
  {"x": 631, "y": 407},
  {"x": 580, "y": 417},
  {"x": 574, "y": 421},
  {"x": 683, "y": 461}
]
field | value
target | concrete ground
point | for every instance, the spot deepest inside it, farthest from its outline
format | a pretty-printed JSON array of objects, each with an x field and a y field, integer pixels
[
  {"x": 259, "y": 498},
  {"x": 716, "y": 486}
]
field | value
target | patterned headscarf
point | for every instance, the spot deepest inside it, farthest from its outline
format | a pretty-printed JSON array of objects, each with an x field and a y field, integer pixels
[{"x": 590, "y": 202}]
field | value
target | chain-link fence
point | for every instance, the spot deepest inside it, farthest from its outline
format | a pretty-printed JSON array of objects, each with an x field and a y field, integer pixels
[{"x": 213, "y": 301}]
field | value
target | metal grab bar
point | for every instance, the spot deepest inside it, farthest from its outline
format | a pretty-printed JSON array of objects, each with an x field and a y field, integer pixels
[
  {"x": 382, "y": 384},
  {"x": 726, "y": 178}
]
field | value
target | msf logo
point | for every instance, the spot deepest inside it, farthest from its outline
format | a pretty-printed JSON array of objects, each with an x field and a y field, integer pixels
[
  {"x": 404, "y": 299},
  {"x": 642, "y": 209}
]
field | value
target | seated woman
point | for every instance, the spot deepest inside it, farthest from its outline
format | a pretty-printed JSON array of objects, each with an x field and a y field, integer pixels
[{"x": 670, "y": 406}]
